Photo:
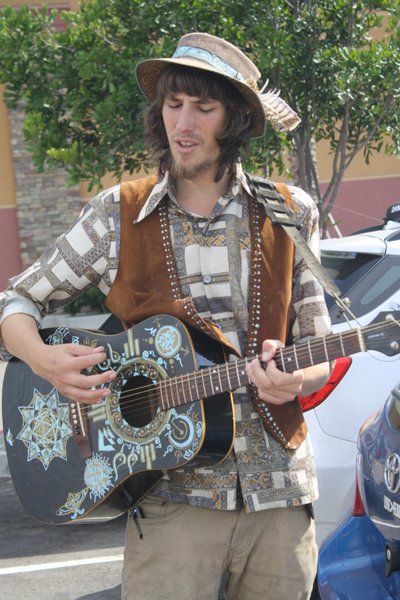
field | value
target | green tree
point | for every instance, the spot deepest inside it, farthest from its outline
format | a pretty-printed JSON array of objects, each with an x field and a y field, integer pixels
[
  {"x": 342, "y": 81},
  {"x": 84, "y": 110}
]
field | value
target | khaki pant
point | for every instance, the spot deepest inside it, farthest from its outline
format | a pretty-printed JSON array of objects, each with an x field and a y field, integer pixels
[{"x": 269, "y": 555}]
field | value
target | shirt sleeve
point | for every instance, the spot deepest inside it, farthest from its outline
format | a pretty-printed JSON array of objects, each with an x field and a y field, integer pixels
[
  {"x": 82, "y": 257},
  {"x": 310, "y": 317}
]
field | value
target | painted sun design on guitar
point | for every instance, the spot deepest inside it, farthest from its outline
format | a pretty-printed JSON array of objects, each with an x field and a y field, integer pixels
[
  {"x": 97, "y": 477},
  {"x": 168, "y": 341},
  {"x": 45, "y": 428}
]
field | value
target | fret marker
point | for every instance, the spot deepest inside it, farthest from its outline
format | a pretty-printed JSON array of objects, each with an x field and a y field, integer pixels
[
  {"x": 361, "y": 341},
  {"x": 282, "y": 359},
  {"x": 325, "y": 348},
  {"x": 341, "y": 344},
  {"x": 309, "y": 352},
  {"x": 295, "y": 356}
]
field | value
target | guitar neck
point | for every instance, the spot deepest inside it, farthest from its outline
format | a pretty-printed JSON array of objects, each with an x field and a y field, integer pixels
[
  {"x": 204, "y": 383},
  {"x": 316, "y": 351}
]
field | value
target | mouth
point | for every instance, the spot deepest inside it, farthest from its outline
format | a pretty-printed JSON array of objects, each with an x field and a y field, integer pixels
[{"x": 185, "y": 146}]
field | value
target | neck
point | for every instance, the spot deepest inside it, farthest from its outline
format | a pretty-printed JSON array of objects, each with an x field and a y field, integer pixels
[{"x": 201, "y": 194}]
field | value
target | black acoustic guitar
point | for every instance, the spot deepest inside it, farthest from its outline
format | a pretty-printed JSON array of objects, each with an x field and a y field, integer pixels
[{"x": 170, "y": 405}]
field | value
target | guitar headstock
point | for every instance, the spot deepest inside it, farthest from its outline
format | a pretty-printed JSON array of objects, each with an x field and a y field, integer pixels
[{"x": 383, "y": 333}]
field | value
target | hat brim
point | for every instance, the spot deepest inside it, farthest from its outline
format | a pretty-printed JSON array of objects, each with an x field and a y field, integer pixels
[{"x": 148, "y": 73}]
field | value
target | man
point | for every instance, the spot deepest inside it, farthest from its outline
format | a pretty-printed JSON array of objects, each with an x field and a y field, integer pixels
[{"x": 193, "y": 242}]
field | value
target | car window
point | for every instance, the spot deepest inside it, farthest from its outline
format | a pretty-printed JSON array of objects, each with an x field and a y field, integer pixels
[
  {"x": 346, "y": 268},
  {"x": 384, "y": 286},
  {"x": 393, "y": 409},
  {"x": 366, "y": 279}
]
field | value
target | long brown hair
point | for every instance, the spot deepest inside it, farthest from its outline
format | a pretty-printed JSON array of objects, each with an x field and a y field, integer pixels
[{"x": 206, "y": 86}]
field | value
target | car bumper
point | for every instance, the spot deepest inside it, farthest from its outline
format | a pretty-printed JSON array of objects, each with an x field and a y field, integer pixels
[
  {"x": 352, "y": 563},
  {"x": 335, "y": 461}
]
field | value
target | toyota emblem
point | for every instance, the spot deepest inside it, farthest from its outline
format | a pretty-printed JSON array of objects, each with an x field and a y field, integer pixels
[{"x": 392, "y": 473}]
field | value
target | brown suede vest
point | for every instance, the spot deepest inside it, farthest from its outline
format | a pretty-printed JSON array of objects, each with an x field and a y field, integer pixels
[{"x": 147, "y": 284}]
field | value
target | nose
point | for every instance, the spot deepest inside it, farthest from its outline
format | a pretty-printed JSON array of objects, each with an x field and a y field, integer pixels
[{"x": 185, "y": 120}]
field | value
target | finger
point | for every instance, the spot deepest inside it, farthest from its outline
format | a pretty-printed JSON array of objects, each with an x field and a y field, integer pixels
[
  {"x": 254, "y": 371},
  {"x": 82, "y": 349},
  {"x": 92, "y": 396},
  {"x": 281, "y": 378},
  {"x": 269, "y": 349},
  {"x": 257, "y": 373},
  {"x": 90, "y": 381},
  {"x": 88, "y": 361},
  {"x": 273, "y": 381},
  {"x": 69, "y": 357}
]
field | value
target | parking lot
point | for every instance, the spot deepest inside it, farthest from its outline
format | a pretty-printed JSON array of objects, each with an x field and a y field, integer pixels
[{"x": 47, "y": 562}]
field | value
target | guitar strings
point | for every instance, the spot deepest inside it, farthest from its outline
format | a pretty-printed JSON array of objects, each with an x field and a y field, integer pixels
[
  {"x": 302, "y": 351},
  {"x": 137, "y": 402},
  {"x": 200, "y": 374}
]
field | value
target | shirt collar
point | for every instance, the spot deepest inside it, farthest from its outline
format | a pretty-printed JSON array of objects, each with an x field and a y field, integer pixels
[{"x": 164, "y": 188}]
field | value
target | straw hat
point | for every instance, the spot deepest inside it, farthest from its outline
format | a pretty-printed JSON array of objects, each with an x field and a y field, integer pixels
[{"x": 209, "y": 53}]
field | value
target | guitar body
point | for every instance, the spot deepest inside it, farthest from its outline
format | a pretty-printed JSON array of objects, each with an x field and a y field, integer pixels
[{"x": 88, "y": 464}]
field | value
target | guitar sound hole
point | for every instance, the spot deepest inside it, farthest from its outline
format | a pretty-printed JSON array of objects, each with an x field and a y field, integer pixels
[{"x": 138, "y": 401}]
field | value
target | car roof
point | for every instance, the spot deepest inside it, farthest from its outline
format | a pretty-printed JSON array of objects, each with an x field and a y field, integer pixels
[{"x": 377, "y": 242}]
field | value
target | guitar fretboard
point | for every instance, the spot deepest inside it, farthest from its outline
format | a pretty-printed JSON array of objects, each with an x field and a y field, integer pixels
[{"x": 204, "y": 383}]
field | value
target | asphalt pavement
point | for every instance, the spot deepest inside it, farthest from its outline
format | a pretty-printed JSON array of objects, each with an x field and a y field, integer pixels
[
  {"x": 48, "y": 562},
  {"x": 65, "y": 562}
]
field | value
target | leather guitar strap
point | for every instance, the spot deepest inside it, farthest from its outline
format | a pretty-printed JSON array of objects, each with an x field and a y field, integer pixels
[{"x": 271, "y": 197}]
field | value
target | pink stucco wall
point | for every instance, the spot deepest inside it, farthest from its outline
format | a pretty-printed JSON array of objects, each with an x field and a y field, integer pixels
[{"x": 363, "y": 202}]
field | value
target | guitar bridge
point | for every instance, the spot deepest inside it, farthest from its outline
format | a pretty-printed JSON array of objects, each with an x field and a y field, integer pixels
[{"x": 80, "y": 429}]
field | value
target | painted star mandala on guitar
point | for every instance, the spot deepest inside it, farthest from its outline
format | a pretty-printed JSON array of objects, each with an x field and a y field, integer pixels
[{"x": 46, "y": 427}]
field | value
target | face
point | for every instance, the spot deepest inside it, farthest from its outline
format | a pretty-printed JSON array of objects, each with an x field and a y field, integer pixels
[{"x": 192, "y": 126}]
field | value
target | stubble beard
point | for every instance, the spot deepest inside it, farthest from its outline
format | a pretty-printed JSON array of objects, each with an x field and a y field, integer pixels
[{"x": 181, "y": 171}]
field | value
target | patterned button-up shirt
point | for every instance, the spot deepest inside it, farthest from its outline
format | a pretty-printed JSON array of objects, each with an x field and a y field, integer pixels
[{"x": 212, "y": 257}]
